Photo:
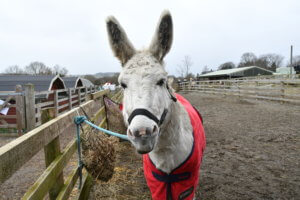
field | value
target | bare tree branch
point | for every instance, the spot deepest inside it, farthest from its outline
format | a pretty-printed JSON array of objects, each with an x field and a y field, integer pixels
[
  {"x": 14, "y": 69},
  {"x": 38, "y": 68},
  {"x": 184, "y": 68}
]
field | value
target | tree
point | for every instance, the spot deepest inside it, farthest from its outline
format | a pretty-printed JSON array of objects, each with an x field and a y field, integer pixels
[
  {"x": 185, "y": 67},
  {"x": 38, "y": 68},
  {"x": 270, "y": 61},
  {"x": 190, "y": 75},
  {"x": 111, "y": 79},
  {"x": 14, "y": 69},
  {"x": 247, "y": 59},
  {"x": 58, "y": 70},
  {"x": 90, "y": 78},
  {"x": 227, "y": 65},
  {"x": 205, "y": 70},
  {"x": 296, "y": 61}
]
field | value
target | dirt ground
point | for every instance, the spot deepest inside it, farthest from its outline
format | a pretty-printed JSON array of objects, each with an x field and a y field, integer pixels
[
  {"x": 16, "y": 186},
  {"x": 252, "y": 152}
]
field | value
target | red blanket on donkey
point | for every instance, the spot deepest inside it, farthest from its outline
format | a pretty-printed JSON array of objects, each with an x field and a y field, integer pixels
[{"x": 182, "y": 182}]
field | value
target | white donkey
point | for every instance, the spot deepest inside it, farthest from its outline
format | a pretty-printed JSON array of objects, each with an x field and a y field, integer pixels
[{"x": 162, "y": 126}]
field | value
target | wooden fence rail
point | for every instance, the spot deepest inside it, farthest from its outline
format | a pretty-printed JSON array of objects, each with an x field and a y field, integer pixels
[
  {"x": 276, "y": 90},
  {"x": 30, "y": 109},
  {"x": 60, "y": 101},
  {"x": 15, "y": 154}
]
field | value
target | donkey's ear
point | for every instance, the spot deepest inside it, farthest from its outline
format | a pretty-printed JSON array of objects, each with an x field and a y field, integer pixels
[
  {"x": 163, "y": 37},
  {"x": 121, "y": 46}
]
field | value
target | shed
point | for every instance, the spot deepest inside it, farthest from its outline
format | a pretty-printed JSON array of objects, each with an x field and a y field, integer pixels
[
  {"x": 75, "y": 82},
  {"x": 40, "y": 82},
  {"x": 235, "y": 73},
  {"x": 288, "y": 70}
]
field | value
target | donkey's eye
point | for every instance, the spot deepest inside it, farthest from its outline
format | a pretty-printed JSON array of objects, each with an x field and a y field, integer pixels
[
  {"x": 160, "y": 82},
  {"x": 123, "y": 85}
]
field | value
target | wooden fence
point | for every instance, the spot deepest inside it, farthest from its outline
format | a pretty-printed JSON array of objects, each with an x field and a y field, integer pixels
[
  {"x": 13, "y": 122},
  {"x": 284, "y": 90},
  {"x": 15, "y": 154},
  {"x": 278, "y": 76},
  {"x": 59, "y": 101},
  {"x": 30, "y": 109}
]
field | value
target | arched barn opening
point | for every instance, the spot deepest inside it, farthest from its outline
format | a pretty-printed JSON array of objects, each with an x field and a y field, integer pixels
[
  {"x": 57, "y": 83},
  {"x": 79, "y": 83}
]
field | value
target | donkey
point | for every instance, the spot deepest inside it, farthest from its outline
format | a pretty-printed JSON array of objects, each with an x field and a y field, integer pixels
[{"x": 162, "y": 125}]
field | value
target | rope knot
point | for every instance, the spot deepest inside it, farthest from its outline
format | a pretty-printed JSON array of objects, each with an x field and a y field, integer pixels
[{"x": 79, "y": 119}]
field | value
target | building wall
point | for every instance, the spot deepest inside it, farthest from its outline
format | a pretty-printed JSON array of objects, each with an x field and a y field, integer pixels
[{"x": 256, "y": 72}]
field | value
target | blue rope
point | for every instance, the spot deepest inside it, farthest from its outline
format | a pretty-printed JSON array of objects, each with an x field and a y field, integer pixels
[
  {"x": 124, "y": 137},
  {"x": 81, "y": 119},
  {"x": 78, "y": 120}
]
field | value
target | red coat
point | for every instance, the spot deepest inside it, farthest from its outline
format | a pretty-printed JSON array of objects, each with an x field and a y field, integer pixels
[{"x": 182, "y": 182}]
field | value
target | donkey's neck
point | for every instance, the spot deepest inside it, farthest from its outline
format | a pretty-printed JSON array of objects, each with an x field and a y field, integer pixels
[{"x": 176, "y": 140}]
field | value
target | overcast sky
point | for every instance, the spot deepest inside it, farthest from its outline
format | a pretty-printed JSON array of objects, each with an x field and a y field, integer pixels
[{"x": 73, "y": 33}]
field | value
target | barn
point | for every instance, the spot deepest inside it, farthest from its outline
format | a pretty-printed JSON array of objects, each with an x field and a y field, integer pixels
[
  {"x": 235, "y": 73},
  {"x": 75, "y": 82},
  {"x": 40, "y": 82}
]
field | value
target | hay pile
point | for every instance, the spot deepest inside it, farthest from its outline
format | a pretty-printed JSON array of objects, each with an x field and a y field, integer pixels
[
  {"x": 128, "y": 182},
  {"x": 99, "y": 154},
  {"x": 115, "y": 120},
  {"x": 98, "y": 149}
]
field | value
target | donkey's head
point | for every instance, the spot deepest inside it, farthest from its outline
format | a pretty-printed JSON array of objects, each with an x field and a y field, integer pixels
[{"x": 147, "y": 97}]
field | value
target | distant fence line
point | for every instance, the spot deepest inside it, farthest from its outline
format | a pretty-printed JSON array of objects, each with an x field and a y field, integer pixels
[
  {"x": 278, "y": 76},
  {"x": 284, "y": 90},
  {"x": 29, "y": 109}
]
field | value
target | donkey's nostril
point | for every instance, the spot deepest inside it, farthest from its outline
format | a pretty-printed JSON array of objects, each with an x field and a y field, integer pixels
[
  {"x": 154, "y": 129},
  {"x": 136, "y": 133}
]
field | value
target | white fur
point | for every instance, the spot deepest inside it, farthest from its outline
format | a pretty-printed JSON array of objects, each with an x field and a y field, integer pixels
[
  {"x": 141, "y": 71},
  {"x": 175, "y": 142}
]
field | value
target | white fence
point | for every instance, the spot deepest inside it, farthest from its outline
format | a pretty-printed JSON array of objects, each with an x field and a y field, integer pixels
[{"x": 284, "y": 90}]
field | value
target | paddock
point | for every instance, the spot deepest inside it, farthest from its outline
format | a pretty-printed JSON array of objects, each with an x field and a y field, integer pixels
[{"x": 252, "y": 153}]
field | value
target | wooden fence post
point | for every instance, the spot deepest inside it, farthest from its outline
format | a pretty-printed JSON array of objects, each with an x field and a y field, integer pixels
[
  {"x": 79, "y": 96},
  {"x": 55, "y": 101},
  {"x": 29, "y": 107},
  {"x": 256, "y": 89},
  {"x": 20, "y": 110},
  {"x": 282, "y": 90},
  {"x": 239, "y": 89},
  {"x": 70, "y": 98},
  {"x": 51, "y": 151}
]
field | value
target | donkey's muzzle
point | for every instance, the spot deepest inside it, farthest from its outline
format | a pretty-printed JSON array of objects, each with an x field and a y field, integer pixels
[
  {"x": 147, "y": 113},
  {"x": 143, "y": 138},
  {"x": 142, "y": 132}
]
